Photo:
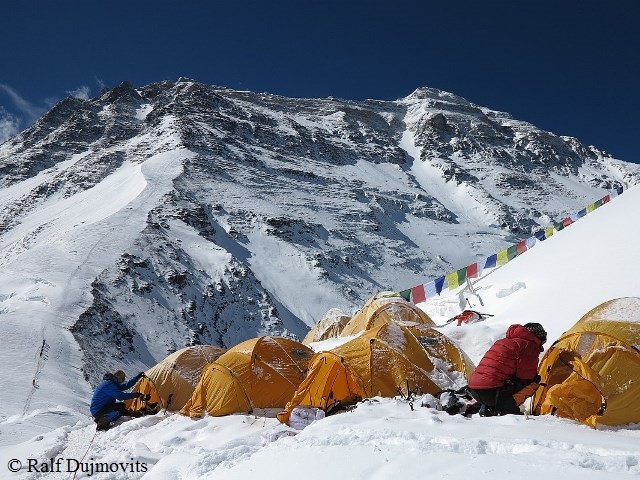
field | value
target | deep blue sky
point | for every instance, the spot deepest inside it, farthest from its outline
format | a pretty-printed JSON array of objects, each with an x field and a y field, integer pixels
[{"x": 567, "y": 66}]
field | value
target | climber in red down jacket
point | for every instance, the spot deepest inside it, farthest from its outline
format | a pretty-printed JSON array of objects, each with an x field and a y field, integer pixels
[{"x": 507, "y": 374}]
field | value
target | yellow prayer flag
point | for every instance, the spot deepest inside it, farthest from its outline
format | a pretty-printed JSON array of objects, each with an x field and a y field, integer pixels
[
  {"x": 452, "y": 280},
  {"x": 503, "y": 257},
  {"x": 591, "y": 207},
  {"x": 548, "y": 232}
]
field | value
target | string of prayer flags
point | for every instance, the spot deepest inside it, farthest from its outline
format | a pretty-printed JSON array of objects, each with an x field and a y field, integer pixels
[{"x": 457, "y": 278}]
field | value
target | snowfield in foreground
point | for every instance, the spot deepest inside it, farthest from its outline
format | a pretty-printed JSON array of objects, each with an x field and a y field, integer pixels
[{"x": 555, "y": 283}]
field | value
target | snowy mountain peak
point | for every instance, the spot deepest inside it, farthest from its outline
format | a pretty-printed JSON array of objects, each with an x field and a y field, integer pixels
[
  {"x": 436, "y": 95},
  {"x": 150, "y": 218}
]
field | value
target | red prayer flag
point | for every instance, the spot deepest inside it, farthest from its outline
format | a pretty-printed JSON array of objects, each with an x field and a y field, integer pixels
[
  {"x": 417, "y": 294},
  {"x": 472, "y": 270},
  {"x": 521, "y": 247},
  {"x": 567, "y": 221},
  {"x": 606, "y": 199}
]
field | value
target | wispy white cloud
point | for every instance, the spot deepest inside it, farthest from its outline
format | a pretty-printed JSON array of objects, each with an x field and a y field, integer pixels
[
  {"x": 24, "y": 106},
  {"x": 9, "y": 125},
  {"x": 51, "y": 101},
  {"x": 24, "y": 113},
  {"x": 82, "y": 92},
  {"x": 100, "y": 83}
]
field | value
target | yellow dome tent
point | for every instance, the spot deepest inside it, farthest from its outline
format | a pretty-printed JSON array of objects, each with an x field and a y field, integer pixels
[
  {"x": 592, "y": 372},
  {"x": 329, "y": 326},
  {"x": 172, "y": 381},
  {"x": 382, "y": 308},
  {"x": 446, "y": 356},
  {"x": 387, "y": 360},
  {"x": 262, "y": 372}
]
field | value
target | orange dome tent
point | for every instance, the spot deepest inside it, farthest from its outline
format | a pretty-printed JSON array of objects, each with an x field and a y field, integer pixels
[
  {"x": 172, "y": 381},
  {"x": 262, "y": 372},
  {"x": 329, "y": 326},
  {"x": 385, "y": 361},
  {"x": 384, "y": 307},
  {"x": 592, "y": 372}
]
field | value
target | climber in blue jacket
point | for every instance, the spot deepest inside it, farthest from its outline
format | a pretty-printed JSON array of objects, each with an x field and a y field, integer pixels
[{"x": 105, "y": 406}]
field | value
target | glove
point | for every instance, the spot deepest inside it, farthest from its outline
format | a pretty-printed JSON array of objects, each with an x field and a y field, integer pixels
[{"x": 141, "y": 375}]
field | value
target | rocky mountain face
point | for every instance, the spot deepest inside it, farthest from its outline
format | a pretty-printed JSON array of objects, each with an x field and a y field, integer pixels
[{"x": 286, "y": 207}]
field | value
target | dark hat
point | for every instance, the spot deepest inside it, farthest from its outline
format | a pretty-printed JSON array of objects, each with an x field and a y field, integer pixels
[
  {"x": 119, "y": 375},
  {"x": 538, "y": 330}
]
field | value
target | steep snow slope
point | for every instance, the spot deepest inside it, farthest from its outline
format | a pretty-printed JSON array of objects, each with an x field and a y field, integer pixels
[
  {"x": 144, "y": 220},
  {"x": 555, "y": 283}
]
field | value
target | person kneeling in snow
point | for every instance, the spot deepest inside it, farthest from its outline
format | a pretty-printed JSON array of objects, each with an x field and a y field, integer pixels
[
  {"x": 507, "y": 374},
  {"x": 105, "y": 407}
]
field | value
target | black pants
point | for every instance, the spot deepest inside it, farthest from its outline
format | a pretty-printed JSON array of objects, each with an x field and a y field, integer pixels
[
  {"x": 110, "y": 412},
  {"x": 499, "y": 399}
]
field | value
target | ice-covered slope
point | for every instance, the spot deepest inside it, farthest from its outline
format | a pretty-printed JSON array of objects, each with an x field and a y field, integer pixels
[
  {"x": 554, "y": 283},
  {"x": 558, "y": 280},
  {"x": 147, "y": 219}
]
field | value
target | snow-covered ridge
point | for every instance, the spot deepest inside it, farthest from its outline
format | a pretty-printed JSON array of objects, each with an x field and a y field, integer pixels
[
  {"x": 556, "y": 283},
  {"x": 146, "y": 219}
]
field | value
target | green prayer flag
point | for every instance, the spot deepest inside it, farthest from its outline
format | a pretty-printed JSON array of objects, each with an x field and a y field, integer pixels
[{"x": 462, "y": 275}]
